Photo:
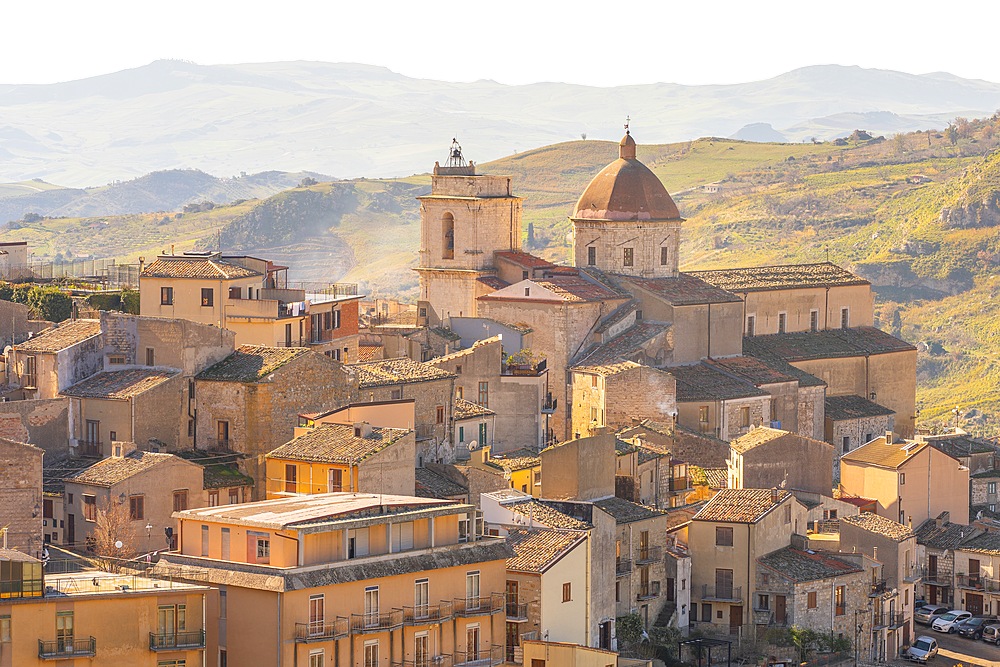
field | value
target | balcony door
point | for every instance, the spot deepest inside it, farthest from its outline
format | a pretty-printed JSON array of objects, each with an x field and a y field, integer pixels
[
  {"x": 371, "y": 606},
  {"x": 166, "y": 622},
  {"x": 291, "y": 478},
  {"x": 317, "y": 614},
  {"x": 64, "y": 631},
  {"x": 724, "y": 584},
  {"x": 472, "y": 643},
  {"x": 421, "y": 598},
  {"x": 421, "y": 650}
]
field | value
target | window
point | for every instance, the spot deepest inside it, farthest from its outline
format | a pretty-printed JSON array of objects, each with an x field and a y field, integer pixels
[
  {"x": 234, "y": 496},
  {"x": 291, "y": 478},
  {"x": 463, "y": 528},
  {"x": 567, "y": 592},
  {"x": 223, "y": 658},
  {"x": 811, "y": 600},
  {"x": 459, "y": 391},
  {"x": 591, "y": 255},
  {"x": 113, "y": 435},
  {"x": 439, "y": 414},
  {"x": 482, "y": 432},
  {"x": 628, "y": 256},
  {"x": 472, "y": 588},
  {"x": 788, "y": 514},
  {"x": 423, "y": 312},
  {"x": 371, "y": 606},
  {"x": 664, "y": 256},
  {"x": 116, "y": 359},
  {"x": 527, "y": 291},
  {"x": 89, "y": 508},
  {"x": 763, "y": 601},
  {"x": 618, "y": 592},
  {"x": 371, "y": 653},
  {"x": 223, "y": 602},
  {"x": 751, "y": 324},
  {"x": 222, "y": 433},
  {"x": 745, "y": 417},
  {"x": 593, "y": 381},
  {"x": 180, "y": 500},
  {"x": 166, "y": 296},
  {"x": 421, "y": 650},
  {"x": 190, "y": 428},
  {"x": 991, "y": 487},
  {"x": 524, "y": 275},
  {"x": 724, "y": 583},
  {"x": 317, "y": 614},
  {"x": 703, "y": 418},
  {"x": 484, "y": 394},
  {"x": 421, "y": 597},
  {"x": 4, "y": 628},
  {"x": 204, "y": 540},
  {"x": 723, "y": 536},
  {"x": 396, "y": 394},
  {"x": 225, "y": 543},
  {"x": 472, "y": 643},
  {"x": 782, "y": 321},
  {"x": 207, "y": 296},
  {"x": 262, "y": 546},
  {"x": 847, "y": 444},
  {"x": 458, "y": 369},
  {"x": 213, "y": 498},
  {"x": 334, "y": 480},
  {"x": 706, "y": 612},
  {"x": 845, "y": 318},
  {"x": 840, "y": 604},
  {"x": 902, "y": 478},
  {"x": 336, "y": 319},
  {"x": 136, "y": 508},
  {"x": 316, "y": 658},
  {"x": 327, "y": 320},
  {"x": 813, "y": 320}
]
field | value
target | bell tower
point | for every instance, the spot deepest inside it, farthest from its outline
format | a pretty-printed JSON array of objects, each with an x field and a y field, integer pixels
[{"x": 463, "y": 221}]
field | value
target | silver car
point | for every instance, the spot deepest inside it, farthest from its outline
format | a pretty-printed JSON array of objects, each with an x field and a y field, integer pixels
[
  {"x": 991, "y": 634},
  {"x": 922, "y": 649},
  {"x": 928, "y": 613}
]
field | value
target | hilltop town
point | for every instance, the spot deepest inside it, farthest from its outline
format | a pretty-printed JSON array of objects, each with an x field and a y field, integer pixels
[{"x": 226, "y": 467}]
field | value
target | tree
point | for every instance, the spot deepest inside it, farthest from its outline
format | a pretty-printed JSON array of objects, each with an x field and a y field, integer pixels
[
  {"x": 531, "y": 234},
  {"x": 114, "y": 538},
  {"x": 307, "y": 181},
  {"x": 130, "y": 301},
  {"x": 583, "y": 135},
  {"x": 952, "y": 133},
  {"x": 628, "y": 628},
  {"x": 50, "y": 303}
]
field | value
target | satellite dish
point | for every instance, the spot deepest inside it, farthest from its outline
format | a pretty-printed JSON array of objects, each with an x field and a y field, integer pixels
[
  {"x": 473, "y": 445},
  {"x": 118, "y": 544}
]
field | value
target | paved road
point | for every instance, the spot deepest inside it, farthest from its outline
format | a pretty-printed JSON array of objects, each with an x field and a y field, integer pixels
[{"x": 955, "y": 649}]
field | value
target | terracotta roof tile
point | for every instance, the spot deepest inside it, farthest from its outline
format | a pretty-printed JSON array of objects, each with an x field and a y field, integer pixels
[
  {"x": 985, "y": 543},
  {"x": 684, "y": 290},
  {"x": 853, "y": 407},
  {"x": 196, "y": 267},
  {"x": 60, "y": 337},
  {"x": 401, "y": 370},
  {"x": 535, "y": 550},
  {"x": 336, "y": 443},
  {"x": 571, "y": 288},
  {"x": 827, "y": 344},
  {"x": 801, "y": 566},
  {"x": 464, "y": 409},
  {"x": 790, "y": 276},
  {"x": 946, "y": 536},
  {"x": 110, "y": 471},
  {"x": 756, "y": 437},
  {"x": 119, "y": 385},
  {"x": 741, "y": 505},
  {"x": 221, "y": 467},
  {"x": 518, "y": 459},
  {"x": 753, "y": 370},
  {"x": 611, "y": 357},
  {"x": 717, "y": 478},
  {"x": 493, "y": 282},
  {"x": 251, "y": 363},
  {"x": 703, "y": 382},
  {"x": 431, "y": 483},
  {"x": 527, "y": 260},
  {"x": 880, "y": 525},
  {"x": 879, "y": 453},
  {"x": 959, "y": 446},
  {"x": 625, "y": 511},
  {"x": 546, "y": 515},
  {"x": 370, "y": 352}
]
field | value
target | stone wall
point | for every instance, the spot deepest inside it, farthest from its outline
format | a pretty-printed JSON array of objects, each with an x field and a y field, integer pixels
[
  {"x": 981, "y": 490},
  {"x": 812, "y": 408},
  {"x": 21, "y": 495},
  {"x": 43, "y": 422}
]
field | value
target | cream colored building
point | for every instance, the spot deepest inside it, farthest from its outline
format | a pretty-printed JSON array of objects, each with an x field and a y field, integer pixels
[
  {"x": 906, "y": 478},
  {"x": 345, "y": 578}
]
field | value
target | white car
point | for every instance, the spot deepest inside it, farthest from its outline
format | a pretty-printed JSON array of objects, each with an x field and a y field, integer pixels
[
  {"x": 923, "y": 649},
  {"x": 949, "y": 622}
]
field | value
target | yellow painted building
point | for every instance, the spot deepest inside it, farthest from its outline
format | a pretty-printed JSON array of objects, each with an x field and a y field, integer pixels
[
  {"x": 96, "y": 618},
  {"x": 347, "y": 579},
  {"x": 523, "y": 466}
]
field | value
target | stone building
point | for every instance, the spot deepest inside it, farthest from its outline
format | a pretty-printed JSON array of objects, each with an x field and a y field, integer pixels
[
  {"x": 57, "y": 358},
  {"x": 852, "y": 421},
  {"x": 250, "y": 401},
  {"x": 718, "y": 404},
  {"x": 767, "y": 457},
  {"x": 21, "y": 496},
  {"x": 977, "y": 573},
  {"x": 611, "y": 395},
  {"x": 937, "y": 540}
]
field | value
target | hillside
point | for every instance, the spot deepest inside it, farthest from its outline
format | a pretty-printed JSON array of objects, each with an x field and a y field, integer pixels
[{"x": 352, "y": 120}]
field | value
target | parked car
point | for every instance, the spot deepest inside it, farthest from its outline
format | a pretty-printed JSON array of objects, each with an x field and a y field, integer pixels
[
  {"x": 973, "y": 627},
  {"x": 949, "y": 622},
  {"x": 991, "y": 634},
  {"x": 922, "y": 649},
  {"x": 928, "y": 613},
  {"x": 919, "y": 602}
]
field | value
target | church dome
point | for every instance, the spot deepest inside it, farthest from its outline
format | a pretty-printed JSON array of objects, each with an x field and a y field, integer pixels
[{"x": 626, "y": 190}]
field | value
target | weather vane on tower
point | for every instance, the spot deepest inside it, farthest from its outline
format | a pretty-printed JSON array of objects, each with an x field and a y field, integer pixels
[{"x": 628, "y": 119}]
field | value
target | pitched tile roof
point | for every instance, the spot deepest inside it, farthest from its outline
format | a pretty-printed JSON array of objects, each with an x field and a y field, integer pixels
[
  {"x": 985, "y": 543},
  {"x": 716, "y": 478},
  {"x": 251, "y": 363},
  {"x": 196, "y": 267},
  {"x": 753, "y": 370},
  {"x": 221, "y": 468},
  {"x": 853, "y": 407},
  {"x": 880, "y": 525},
  {"x": 370, "y": 352},
  {"x": 527, "y": 260},
  {"x": 698, "y": 449},
  {"x": 756, "y": 437},
  {"x": 60, "y": 336},
  {"x": 493, "y": 282},
  {"x": 464, "y": 409},
  {"x": 577, "y": 289},
  {"x": 546, "y": 515},
  {"x": 827, "y": 344},
  {"x": 801, "y": 566},
  {"x": 617, "y": 315},
  {"x": 625, "y": 511},
  {"x": 878, "y": 453},
  {"x": 741, "y": 505},
  {"x": 401, "y": 370},
  {"x": 119, "y": 385},
  {"x": 957, "y": 446},
  {"x": 946, "y": 536},
  {"x": 537, "y": 549},
  {"x": 56, "y": 470},
  {"x": 518, "y": 459},
  {"x": 678, "y": 516},
  {"x": 685, "y": 290},
  {"x": 702, "y": 382},
  {"x": 611, "y": 357},
  {"x": 110, "y": 471},
  {"x": 789, "y": 276},
  {"x": 336, "y": 443},
  {"x": 458, "y": 354},
  {"x": 434, "y": 482}
]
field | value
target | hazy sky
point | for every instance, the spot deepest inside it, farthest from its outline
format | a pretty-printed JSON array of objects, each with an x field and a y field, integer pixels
[{"x": 603, "y": 43}]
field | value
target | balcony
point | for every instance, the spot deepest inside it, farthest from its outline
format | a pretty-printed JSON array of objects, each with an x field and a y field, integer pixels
[
  {"x": 443, "y": 660},
  {"x": 889, "y": 619},
  {"x": 679, "y": 484},
  {"x": 549, "y": 405},
  {"x": 721, "y": 593},
  {"x": 67, "y": 649},
  {"x": 649, "y": 555},
  {"x": 494, "y": 604},
  {"x": 89, "y": 448},
  {"x": 934, "y": 577},
  {"x": 174, "y": 641},
  {"x": 376, "y": 622},
  {"x": 427, "y": 614},
  {"x": 517, "y": 612},
  {"x": 622, "y": 567},
  {"x": 485, "y": 657},
  {"x": 977, "y": 582},
  {"x": 878, "y": 588},
  {"x": 337, "y": 628},
  {"x": 648, "y": 592}
]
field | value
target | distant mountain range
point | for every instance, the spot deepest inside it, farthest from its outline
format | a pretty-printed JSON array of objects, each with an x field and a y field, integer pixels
[{"x": 353, "y": 120}]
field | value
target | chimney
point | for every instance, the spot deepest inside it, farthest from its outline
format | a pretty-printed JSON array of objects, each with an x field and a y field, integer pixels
[
  {"x": 120, "y": 450},
  {"x": 942, "y": 518},
  {"x": 171, "y": 248},
  {"x": 774, "y": 496},
  {"x": 888, "y": 437},
  {"x": 362, "y": 429},
  {"x": 142, "y": 264}
]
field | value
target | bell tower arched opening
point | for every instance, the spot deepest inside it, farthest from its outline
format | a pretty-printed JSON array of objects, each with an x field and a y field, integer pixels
[{"x": 448, "y": 236}]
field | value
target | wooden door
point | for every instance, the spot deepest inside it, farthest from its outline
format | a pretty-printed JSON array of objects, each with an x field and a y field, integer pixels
[
  {"x": 735, "y": 619},
  {"x": 70, "y": 530},
  {"x": 779, "y": 610},
  {"x": 932, "y": 563},
  {"x": 974, "y": 603},
  {"x": 933, "y": 595}
]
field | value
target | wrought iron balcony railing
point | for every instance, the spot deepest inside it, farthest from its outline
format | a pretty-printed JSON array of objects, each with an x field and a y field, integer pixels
[{"x": 171, "y": 641}]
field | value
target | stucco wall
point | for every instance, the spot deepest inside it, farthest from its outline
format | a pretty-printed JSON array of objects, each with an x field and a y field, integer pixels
[
  {"x": 44, "y": 423},
  {"x": 20, "y": 493}
]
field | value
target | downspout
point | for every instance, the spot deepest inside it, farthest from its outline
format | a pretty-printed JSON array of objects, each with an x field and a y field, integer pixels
[
  {"x": 708, "y": 352},
  {"x": 204, "y": 624},
  {"x": 749, "y": 552},
  {"x": 826, "y": 310},
  {"x": 278, "y": 643}
]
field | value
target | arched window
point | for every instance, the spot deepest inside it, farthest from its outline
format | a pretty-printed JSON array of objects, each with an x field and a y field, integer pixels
[{"x": 448, "y": 232}]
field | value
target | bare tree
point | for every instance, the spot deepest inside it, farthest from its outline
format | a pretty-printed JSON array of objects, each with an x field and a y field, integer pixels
[{"x": 114, "y": 536}]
